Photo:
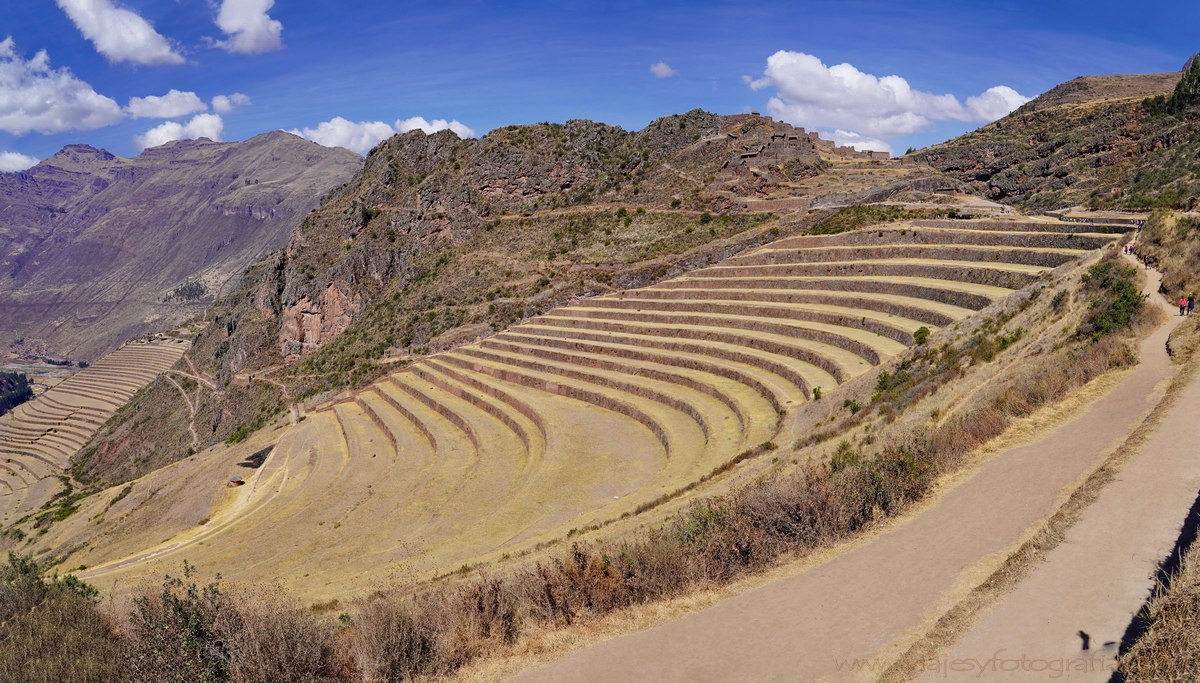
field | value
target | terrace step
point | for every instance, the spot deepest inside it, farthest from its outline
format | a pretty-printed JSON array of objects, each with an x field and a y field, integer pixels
[
  {"x": 746, "y": 404},
  {"x": 962, "y": 294},
  {"x": 841, "y": 363}
]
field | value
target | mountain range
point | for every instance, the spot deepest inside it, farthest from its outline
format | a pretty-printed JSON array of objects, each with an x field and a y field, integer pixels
[{"x": 96, "y": 248}]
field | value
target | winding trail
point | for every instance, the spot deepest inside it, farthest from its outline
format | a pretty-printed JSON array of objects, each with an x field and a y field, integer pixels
[
  {"x": 850, "y": 617},
  {"x": 1072, "y": 611}
]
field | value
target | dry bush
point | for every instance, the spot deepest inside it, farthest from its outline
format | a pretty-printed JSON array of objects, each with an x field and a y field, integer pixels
[
  {"x": 174, "y": 634},
  {"x": 1169, "y": 649},
  {"x": 1042, "y": 382},
  {"x": 270, "y": 638},
  {"x": 393, "y": 642},
  {"x": 52, "y": 631}
]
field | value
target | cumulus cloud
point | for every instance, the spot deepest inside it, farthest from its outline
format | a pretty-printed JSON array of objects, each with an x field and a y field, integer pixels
[
  {"x": 119, "y": 34},
  {"x": 361, "y": 136},
  {"x": 200, "y": 126},
  {"x": 358, "y": 136},
  {"x": 811, "y": 94},
  {"x": 862, "y": 143},
  {"x": 430, "y": 127},
  {"x": 223, "y": 104},
  {"x": 15, "y": 161},
  {"x": 995, "y": 102},
  {"x": 248, "y": 27},
  {"x": 172, "y": 105},
  {"x": 662, "y": 70},
  {"x": 34, "y": 96}
]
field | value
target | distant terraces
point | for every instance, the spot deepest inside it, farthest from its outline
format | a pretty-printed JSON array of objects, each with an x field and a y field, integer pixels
[{"x": 38, "y": 438}]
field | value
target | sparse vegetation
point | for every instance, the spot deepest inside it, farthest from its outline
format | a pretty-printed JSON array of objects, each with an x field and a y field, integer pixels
[
  {"x": 190, "y": 291},
  {"x": 1167, "y": 649}
]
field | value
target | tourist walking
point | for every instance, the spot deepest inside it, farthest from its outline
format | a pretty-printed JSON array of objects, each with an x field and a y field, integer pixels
[
  {"x": 1182, "y": 306},
  {"x": 1191, "y": 303}
]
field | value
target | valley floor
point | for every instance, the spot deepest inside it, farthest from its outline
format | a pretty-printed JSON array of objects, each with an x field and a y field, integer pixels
[{"x": 854, "y": 616}]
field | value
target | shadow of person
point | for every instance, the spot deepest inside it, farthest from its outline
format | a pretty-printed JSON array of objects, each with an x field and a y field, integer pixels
[{"x": 1087, "y": 640}]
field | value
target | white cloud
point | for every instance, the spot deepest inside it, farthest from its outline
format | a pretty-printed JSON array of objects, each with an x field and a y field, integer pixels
[
  {"x": 249, "y": 28},
  {"x": 172, "y": 105},
  {"x": 119, "y": 34},
  {"x": 358, "y": 136},
  {"x": 223, "y": 104},
  {"x": 862, "y": 143},
  {"x": 661, "y": 69},
  {"x": 428, "y": 127},
  {"x": 995, "y": 102},
  {"x": 201, "y": 126},
  {"x": 811, "y": 94},
  {"x": 361, "y": 136},
  {"x": 34, "y": 96},
  {"x": 15, "y": 161}
]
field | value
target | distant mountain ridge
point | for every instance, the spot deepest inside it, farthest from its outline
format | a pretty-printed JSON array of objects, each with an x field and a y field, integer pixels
[{"x": 94, "y": 248}]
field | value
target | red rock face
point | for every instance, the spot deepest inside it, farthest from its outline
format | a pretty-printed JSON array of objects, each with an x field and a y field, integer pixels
[{"x": 306, "y": 325}]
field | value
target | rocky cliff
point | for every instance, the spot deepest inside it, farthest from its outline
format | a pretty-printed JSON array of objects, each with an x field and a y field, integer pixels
[
  {"x": 1102, "y": 141},
  {"x": 95, "y": 248}
]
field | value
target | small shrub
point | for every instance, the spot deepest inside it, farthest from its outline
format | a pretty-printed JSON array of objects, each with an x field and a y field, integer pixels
[
  {"x": 921, "y": 335},
  {"x": 1059, "y": 302},
  {"x": 174, "y": 635}
]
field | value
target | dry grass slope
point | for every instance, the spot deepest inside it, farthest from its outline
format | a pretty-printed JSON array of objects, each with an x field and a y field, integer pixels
[{"x": 596, "y": 411}]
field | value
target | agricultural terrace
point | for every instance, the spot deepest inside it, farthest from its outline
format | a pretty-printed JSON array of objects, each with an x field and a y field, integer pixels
[
  {"x": 586, "y": 414},
  {"x": 38, "y": 438}
]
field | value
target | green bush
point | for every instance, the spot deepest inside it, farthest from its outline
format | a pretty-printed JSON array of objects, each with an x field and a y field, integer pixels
[
  {"x": 1113, "y": 297},
  {"x": 921, "y": 335},
  {"x": 174, "y": 634}
]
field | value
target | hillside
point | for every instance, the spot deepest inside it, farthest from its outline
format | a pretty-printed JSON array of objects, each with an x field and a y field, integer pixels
[
  {"x": 592, "y": 413},
  {"x": 439, "y": 241},
  {"x": 1105, "y": 142},
  {"x": 96, "y": 249}
]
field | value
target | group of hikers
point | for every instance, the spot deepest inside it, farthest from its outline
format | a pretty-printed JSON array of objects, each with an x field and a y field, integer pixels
[
  {"x": 1145, "y": 259},
  {"x": 1187, "y": 304}
]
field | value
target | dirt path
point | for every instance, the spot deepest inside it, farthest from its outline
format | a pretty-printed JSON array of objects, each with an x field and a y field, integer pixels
[
  {"x": 1099, "y": 576},
  {"x": 848, "y": 618},
  {"x": 191, "y": 408}
]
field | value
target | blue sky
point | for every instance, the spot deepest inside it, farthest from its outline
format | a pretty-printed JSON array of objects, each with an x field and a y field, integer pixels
[{"x": 487, "y": 64}]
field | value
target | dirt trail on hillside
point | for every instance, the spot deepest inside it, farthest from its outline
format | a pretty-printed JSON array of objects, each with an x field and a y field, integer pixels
[
  {"x": 848, "y": 618},
  {"x": 1071, "y": 612}
]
